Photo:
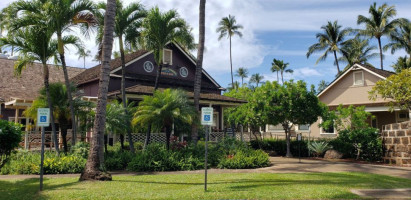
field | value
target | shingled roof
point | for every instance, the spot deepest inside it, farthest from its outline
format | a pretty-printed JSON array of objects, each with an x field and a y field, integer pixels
[
  {"x": 148, "y": 90},
  {"x": 93, "y": 73},
  {"x": 381, "y": 72},
  {"x": 29, "y": 83}
]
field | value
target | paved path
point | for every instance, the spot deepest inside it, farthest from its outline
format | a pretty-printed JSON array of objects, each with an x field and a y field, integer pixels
[
  {"x": 403, "y": 193},
  {"x": 279, "y": 165}
]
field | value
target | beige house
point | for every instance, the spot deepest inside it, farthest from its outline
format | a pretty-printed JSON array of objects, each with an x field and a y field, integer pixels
[{"x": 351, "y": 88}]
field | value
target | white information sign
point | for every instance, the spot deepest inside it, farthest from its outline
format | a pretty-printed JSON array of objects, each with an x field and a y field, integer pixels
[
  {"x": 43, "y": 117},
  {"x": 207, "y": 116}
]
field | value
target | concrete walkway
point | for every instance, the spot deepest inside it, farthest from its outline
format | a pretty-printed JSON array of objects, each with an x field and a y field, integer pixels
[{"x": 279, "y": 165}]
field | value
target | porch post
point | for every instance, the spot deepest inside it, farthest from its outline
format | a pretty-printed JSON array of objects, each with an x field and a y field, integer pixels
[
  {"x": 26, "y": 135},
  {"x": 222, "y": 118},
  {"x": 16, "y": 116}
]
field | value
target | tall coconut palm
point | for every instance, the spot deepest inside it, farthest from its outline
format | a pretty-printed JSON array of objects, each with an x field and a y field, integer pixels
[
  {"x": 164, "y": 108},
  {"x": 234, "y": 86},
  {"x": 275, "y": 69},
  {"x": 199, "y": 66},
  {"x": 400, "y": 38},
  {"x": 83, "y": 54},
  {"x": 379, "y": 23},
  {"x": 357, "y": 50},
  {"x": 329, "y": 41},
  {"x": 401, "y": 64},
  {"x": 322, "y": 85},
  {"x": 159, "y": 29},
  {"x": 282, "y": 67},
  {"x": 63, "y": 16},
  {"x": 34, "y": 43},
  {"x": 228, "y": 27},
  {"x": 242, "y": 73},
  {"x": 128, "y": 21},
  {"x": 95, "y": 161},
  {"x": 256, "y": 78}
]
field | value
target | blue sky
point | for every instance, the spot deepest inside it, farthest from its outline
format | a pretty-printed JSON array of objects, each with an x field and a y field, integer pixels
[{"x": 272, "y": 29}]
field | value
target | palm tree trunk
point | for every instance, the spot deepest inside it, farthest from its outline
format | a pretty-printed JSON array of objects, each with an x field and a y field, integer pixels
[
  {"x": 242, "y": 81},
  {"x": 379, "y": 45},
  {"x": 160, "y": 67},
  {"x": 199, "y": 68},
  {"x": 63, "y": 128},
  {"x": 336, "y": 61},
  {"x": 282, "y": 78},
  {"x": 67, "y": 83},
  {"x": 278, "y": 80},
  {"x": 231, "y": 64},
  {"x": 287, "y": 135},
  {"x": 53, "y": 126},
  {"x": 123, "y": 93},
  {"x": 95, "y": 161},
  {"x": 168, "y": 135}
]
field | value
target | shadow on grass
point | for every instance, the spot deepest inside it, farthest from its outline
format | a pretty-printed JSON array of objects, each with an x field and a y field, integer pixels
[{"x": 27, "y": 188}]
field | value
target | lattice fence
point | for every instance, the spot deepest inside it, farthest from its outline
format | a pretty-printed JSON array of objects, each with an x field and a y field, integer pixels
[
  {"x": 216, "y": 136},
  {"x": 141, "y": 137}
]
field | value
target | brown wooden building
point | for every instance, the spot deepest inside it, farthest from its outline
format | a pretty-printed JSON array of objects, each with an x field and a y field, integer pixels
[{"x": 178, "y": 72}]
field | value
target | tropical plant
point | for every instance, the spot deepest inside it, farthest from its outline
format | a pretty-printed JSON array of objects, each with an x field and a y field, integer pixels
[
  {"x": 318, "y": 148},
  {"x": 379, "y": 23},
  {"x": 280, "y": 66},
  {"x": 199, "y": 66},
  {"x": 256, "y": 78},
  {"x": 83, "y": 54},
  {"x": 329, "y": 41},
  {"x": 400, "y": 38},
  {"x": 95, "y": 163},
  {"x": 396, "y": 89},
  {"x": 401, "y": 64},
  {"x": 10, "y": 137},
  {"x": 234, "y": 87},
  {"x": 275, "y": 69},
  {"x": 228, "y": 27},
  {"x": 357, "y": 50},
  {"x": 116, "y": 119},
  {"x": 128, "y": 21},
  {"x": 322, "y": 85},
  {"x": 242, "y": 73},
  {"x": 163, "y": 108}
]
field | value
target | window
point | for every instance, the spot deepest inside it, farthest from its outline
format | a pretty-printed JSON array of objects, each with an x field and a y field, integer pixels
[
  {"x": 303, "y": 127},
  {"x": 358, "y": 78},
  {"x": 168, "y": 56},
  {"x": 374, "y": 123},
  {"x": 277, "y": 127},
  {"x": 402, "y": 116},
  {"x": 329, "y": 130}
]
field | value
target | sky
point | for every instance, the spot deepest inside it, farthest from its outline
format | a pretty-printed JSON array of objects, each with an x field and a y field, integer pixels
[{"x": 281, "y": 29}]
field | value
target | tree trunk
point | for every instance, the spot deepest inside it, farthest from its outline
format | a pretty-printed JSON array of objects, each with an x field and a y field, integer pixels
[
  {"x": 148, "y": 135},
  {"x": 168, "y": 135},
  {"x": 63, "y": 128},
  {"x": 379, "y": 45},
  {"x": 288, "y": 138},
  {"x": 199, "y": 68},
  {"x": 67, "y": 83},
  {"x": 95, "y": 162},
  {"x": 336, "y": 61},
  {"x": 282, "y": 78},
  {"x": 123, "y": 93},
  {"x": 122, "y": 141},
  {"x": 278, "y": 79},
  {"x": 53, "y": 125},
  {"x": 231, "y": 64},
  {"x": 105, "y": 143}
]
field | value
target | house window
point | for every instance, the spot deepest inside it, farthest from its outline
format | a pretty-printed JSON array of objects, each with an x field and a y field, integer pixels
[
  {"x": 168, "y": 56},
  {"x": 358, "y": 78},
  {"x": 329, "y": 130},
  {"x": 402, "y": 116},
  {"x": 303, "y": 127},
  {"x": 374, "y": 123}
]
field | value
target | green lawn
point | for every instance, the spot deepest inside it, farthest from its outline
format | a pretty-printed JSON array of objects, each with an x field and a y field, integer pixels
[{"x": 221, "y": 186}]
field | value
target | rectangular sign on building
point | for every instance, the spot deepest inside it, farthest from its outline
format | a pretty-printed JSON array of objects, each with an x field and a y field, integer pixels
[
  {"x": 43, "y": 117},
  {"x": 207, "y": 116}
]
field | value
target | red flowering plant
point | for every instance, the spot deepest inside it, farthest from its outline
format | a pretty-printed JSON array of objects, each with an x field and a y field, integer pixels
[{"x": 175, "y": 144}]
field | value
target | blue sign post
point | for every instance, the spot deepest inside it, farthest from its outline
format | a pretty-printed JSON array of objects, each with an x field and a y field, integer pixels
[
  {"x": 43, "y": 120},
  {"x": 206, "y": 120}
]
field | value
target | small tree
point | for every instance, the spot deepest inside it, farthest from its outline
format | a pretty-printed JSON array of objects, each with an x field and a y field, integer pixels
[
  {"x": 289, "y": 104},
  {"x": 10, "y": 137},
  {"x": 396, "y": 88}
]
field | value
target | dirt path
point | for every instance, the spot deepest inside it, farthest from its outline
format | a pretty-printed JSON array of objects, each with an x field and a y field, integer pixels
[{"x": 279, "y": 165}]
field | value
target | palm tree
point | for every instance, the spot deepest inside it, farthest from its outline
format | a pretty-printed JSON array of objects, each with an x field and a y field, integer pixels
[
  {"x": 63, "y": 16},
  {"x": 234, "y": 86},
  {"x": 127, "y": 22},
  {"x": 161, "y": 29},
  {"x": 401, "y": 64},
  {"x": 282, "y": 67},
  {"x": 82, "y": 53},
  {"x": 34, "y": 43},
  {"x": 199, "y": 66},
  {"x": 256, "y": 78},
  {"x": 400, "y": 38},
  {"x": 242, "y": 73},
  {"x": 322, "y": 85},
  {"x": 379, "y": 23},
  {"x": 274, "y": 68},
  {"x": 95, "y": 161},
  {"x": 164, "y": 108},
  {"x": 357, "y": 50},
  {"x": 228, "y": 27},
  {"x": 329, "y": 40}
]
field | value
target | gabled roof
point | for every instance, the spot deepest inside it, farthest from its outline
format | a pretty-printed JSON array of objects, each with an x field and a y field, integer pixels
[
  {"x": 29, "y": 83},
  {"x": 93, "y": 73},
  {"x": 383, "y": 74}
]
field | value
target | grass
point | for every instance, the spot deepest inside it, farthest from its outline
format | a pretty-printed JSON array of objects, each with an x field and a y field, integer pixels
[{"x": 190, "y": 186}]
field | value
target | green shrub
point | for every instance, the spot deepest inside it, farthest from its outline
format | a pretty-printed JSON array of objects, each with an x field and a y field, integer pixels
[
  {"x": 69, "y": 164},
  {"x": 280, "y": 146},
  {"x": 318, "y": 147},
  {"x": 10, "y": 137},
  {"x": 366, "y": 143},
  {"x": 81, "y": 149},
  {"x": 117, "y": 158},
  {"x": 245, "y": 160}
]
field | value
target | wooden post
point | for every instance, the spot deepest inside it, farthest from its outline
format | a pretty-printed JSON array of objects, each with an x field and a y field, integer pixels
[{"x": 16, "y": 117}]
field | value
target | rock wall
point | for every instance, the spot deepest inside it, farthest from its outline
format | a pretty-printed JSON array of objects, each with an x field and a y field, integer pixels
[{"x": 397, "y": 143}]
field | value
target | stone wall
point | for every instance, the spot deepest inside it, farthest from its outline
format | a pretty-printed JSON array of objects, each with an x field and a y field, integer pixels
[{"x": 397, "y": 143}]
